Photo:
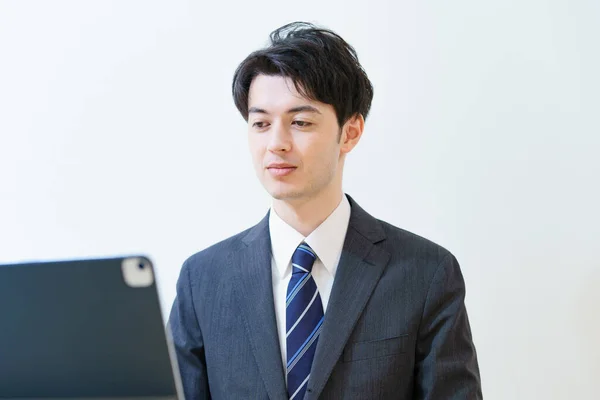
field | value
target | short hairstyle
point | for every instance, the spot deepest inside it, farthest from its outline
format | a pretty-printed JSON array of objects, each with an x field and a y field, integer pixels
[{"x": 322, "y": 66}]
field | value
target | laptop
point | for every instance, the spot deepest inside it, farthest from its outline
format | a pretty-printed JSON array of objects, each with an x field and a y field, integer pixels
[{"x": 82, "y": 329}]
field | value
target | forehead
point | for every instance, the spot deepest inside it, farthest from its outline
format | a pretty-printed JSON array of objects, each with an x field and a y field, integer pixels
[{"x": 276, "y": 93}]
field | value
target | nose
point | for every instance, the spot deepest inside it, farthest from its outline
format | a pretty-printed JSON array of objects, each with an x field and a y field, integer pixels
[{"x": 280, "y": 138}]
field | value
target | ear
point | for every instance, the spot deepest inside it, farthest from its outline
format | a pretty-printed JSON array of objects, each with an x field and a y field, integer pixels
[{"x": 351, "y": 133}]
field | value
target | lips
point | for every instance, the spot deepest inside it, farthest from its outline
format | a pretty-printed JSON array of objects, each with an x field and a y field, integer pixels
[
  {"x": 281, "y": 169},
  {"x": 281, "y": 165}
]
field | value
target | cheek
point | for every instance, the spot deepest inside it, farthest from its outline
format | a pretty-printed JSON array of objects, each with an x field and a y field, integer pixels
[
  {"x": 256, "y": 150},
  {"x": 257, "y": 159},
  {"x": 321, "y": 156}
]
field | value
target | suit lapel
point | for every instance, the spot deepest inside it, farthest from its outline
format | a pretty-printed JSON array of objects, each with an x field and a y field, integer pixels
[
  {"x": 251, "y": 266},
  {"x": 360, "y": 267}
]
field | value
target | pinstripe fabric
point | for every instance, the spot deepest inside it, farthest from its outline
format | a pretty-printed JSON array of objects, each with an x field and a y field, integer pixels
[{"x": 304, "y": 321}]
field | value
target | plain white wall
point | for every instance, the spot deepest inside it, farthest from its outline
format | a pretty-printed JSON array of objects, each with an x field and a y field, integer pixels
[{"x": 118, "y": 135}]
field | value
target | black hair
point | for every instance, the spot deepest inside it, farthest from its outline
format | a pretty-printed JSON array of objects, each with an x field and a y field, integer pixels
[{"x": 321, "y": 64}]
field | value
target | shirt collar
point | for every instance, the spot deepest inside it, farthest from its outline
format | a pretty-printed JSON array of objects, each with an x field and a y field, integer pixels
[{"x": 326, "y": 240}]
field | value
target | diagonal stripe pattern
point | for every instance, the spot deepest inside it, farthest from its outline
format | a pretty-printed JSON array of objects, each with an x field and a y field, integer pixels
[{"x": 304, "y": 321}]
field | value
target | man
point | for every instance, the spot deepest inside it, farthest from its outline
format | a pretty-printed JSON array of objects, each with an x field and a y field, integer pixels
[{"x": 320, "y": 299}]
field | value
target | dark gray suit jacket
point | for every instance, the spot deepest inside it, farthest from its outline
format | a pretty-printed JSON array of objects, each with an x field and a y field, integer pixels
[{"x": 395, "y": 327}]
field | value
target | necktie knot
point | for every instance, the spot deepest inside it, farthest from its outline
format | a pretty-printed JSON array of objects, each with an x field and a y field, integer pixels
[{"x": 303, "y": 259}]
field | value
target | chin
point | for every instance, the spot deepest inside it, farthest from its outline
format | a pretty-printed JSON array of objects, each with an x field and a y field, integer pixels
[{"x": 285, "y": 194}]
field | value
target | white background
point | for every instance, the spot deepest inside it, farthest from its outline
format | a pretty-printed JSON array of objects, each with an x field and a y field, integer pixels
[{"x": 118, "y": 135}]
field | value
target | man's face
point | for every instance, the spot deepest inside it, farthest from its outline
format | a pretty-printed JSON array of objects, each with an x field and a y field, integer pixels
[{"x": 293, "y": 141}]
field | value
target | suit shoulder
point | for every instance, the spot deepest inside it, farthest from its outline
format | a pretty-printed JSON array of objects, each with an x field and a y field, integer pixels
[
  {"x": 216, "y": 253},
  {"x": 402, "y": 240}
]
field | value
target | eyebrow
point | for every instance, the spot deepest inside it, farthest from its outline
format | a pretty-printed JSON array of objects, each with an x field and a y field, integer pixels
[{"x": 305, "y": 108}]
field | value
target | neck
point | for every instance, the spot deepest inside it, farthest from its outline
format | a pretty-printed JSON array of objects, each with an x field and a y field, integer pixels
[{"x": 306, "y": 214}]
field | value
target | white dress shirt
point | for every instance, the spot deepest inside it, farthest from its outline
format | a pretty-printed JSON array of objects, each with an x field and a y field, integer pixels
[{"x": 326, "y": 241}]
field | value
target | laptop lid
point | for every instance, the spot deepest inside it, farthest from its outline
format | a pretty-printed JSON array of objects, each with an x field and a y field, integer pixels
[{"x": 84, "y": 328}]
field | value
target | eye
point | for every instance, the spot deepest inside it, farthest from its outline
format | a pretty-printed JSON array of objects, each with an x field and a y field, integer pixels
[
  {"x": 259, "y": 124},
  {"x": 302, "y": 124}
]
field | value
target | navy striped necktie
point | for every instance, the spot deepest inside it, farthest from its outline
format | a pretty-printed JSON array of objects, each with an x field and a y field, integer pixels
[{"x": 304, "y": 319}]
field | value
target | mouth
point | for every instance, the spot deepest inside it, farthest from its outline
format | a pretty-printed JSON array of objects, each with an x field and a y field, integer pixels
[{"x": 280, "y": 169}]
